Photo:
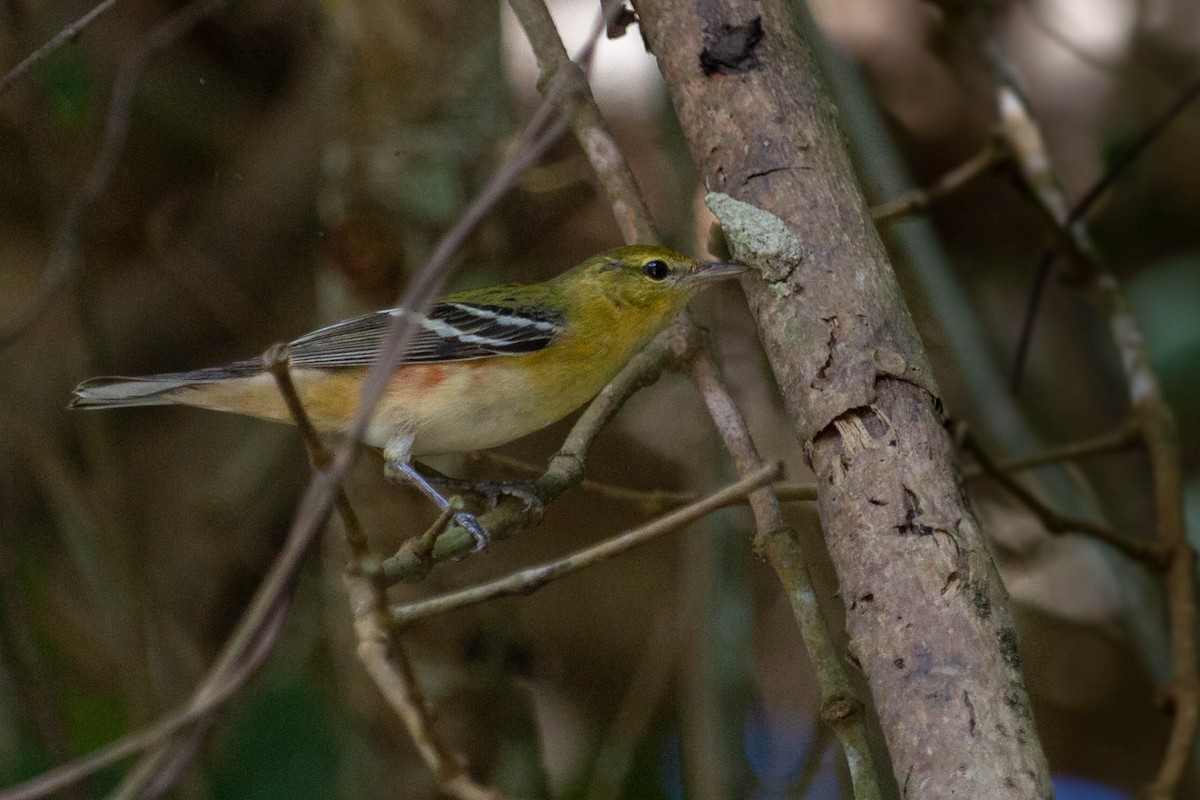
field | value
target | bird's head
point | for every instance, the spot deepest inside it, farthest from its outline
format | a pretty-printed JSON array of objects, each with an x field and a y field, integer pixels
[{"x": 652, "y": 280}]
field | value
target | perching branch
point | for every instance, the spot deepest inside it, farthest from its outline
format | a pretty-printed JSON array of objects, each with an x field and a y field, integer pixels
[
  {"x": 529, "y": 580},
  {"x": 413, "y": 560},
  {"x": 648, "y": 501}
]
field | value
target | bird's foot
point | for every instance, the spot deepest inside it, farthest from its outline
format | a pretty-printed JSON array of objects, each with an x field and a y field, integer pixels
[{"x": 490, "y": 491}]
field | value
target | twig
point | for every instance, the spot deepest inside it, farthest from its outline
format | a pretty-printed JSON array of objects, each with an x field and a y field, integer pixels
[
  {"x": 379, "y": 647},
  {"x": 1054, "y": 522},
  {"x": 841, "y": 707},
  {"x": 1097, "y": 62},
  {"x": 648, "y": 501},
  {"x": 58, "y": 40},
  {"x": 588, "y": 124},
  {"x": 278, "y": 363},
  {"x": 918, "y": 200},
  {"x": 116, "y": 129},
  {"x": 531, "y": 579},
  {"x": 1042, "y": 273},
  {"x": 1126, "y": 436},
  {"x": 388, "y": 665}
]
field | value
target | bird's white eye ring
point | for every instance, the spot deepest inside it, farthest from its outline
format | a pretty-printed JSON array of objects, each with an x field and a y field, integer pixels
[{"x": 656, "y": 270}]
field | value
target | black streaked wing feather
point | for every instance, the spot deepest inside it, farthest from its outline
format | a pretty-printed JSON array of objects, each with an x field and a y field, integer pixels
[{"x": 452, "y": 331}]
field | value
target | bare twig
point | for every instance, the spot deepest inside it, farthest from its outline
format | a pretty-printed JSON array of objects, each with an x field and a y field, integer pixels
[
  {"x": 1147, "y": 552},
  {"x": 531, "y": 579},
  {"x": 1037, "y": 14},
  {"x": 379, "y": 647},
  {"x": 1045, "y": 264},
  {"x": 648, "y": 501},
  {"x": 277, "y": 362},
  {"x": 61, "y": 263},
  {"x": 1124, "y": 437},
  {"x": 918, "y": 200},
  {"x": 388, "y": 664},
  {"x": 67, "y": 34},
  {"x": 589, "y": 126}
]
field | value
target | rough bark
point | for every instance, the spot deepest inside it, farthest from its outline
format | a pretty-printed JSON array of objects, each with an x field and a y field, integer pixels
[{"x": 927, "y": 615}]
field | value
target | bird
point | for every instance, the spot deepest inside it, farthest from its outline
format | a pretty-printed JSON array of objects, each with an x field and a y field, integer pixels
[{"x": 484, "y": 366}]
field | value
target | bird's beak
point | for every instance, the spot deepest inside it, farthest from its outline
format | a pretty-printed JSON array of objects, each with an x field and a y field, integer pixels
[{"x": 712, "y": 271}]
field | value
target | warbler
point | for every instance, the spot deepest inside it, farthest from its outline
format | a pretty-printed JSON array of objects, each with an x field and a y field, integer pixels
[{"x": 484, "y": 366}]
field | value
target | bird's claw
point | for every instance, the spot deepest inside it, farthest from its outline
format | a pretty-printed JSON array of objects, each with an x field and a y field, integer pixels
[{"x": 471, "y": 524}]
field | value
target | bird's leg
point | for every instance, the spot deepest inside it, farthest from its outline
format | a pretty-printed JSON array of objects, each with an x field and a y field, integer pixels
[
  {"x": 399, "y": 467},
  {"x": 492, "y": 491}
]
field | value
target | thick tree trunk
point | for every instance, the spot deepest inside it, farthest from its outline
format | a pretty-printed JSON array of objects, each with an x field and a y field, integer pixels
[{"x": 926, "y": 612}]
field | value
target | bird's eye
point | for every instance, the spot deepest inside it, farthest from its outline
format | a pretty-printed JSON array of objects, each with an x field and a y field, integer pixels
[{"x": 656, "y": 270}]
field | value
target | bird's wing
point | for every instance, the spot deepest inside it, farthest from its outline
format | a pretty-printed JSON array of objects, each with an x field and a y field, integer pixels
[{"x": 451, "y": 331}]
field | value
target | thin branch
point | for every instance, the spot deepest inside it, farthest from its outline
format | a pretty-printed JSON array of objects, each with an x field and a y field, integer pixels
[
  {"x": 389, "y": 666},
  {"x": 841, "y": 707},
  {"x": 918, "y": 200},
  {"x": 63, "y": 255},
  {"x": 531, "y": 579},
  {"x": 278, "y": 363},
  {"x": 1038, "y": 17},
  {"x": 1054, "y": 522},
  {"x": 648, "y": 501},
  {"x": 1125, "y": 437},
  {"x": 67, "y": 34},
  {"x": 379, "y": 647},
  {"x": 1123, "y": 162},
  {"x": 624, "y": 197}
]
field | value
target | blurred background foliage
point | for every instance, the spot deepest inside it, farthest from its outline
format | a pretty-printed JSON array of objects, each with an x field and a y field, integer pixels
[{"x": 288, "y": 165}]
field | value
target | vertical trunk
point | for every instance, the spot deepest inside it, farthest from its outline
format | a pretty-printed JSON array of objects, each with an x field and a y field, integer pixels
[{"x": 927, "y": 614}]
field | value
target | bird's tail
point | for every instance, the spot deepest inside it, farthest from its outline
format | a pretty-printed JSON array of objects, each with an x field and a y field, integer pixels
[{"x": 154, "y": 390}]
